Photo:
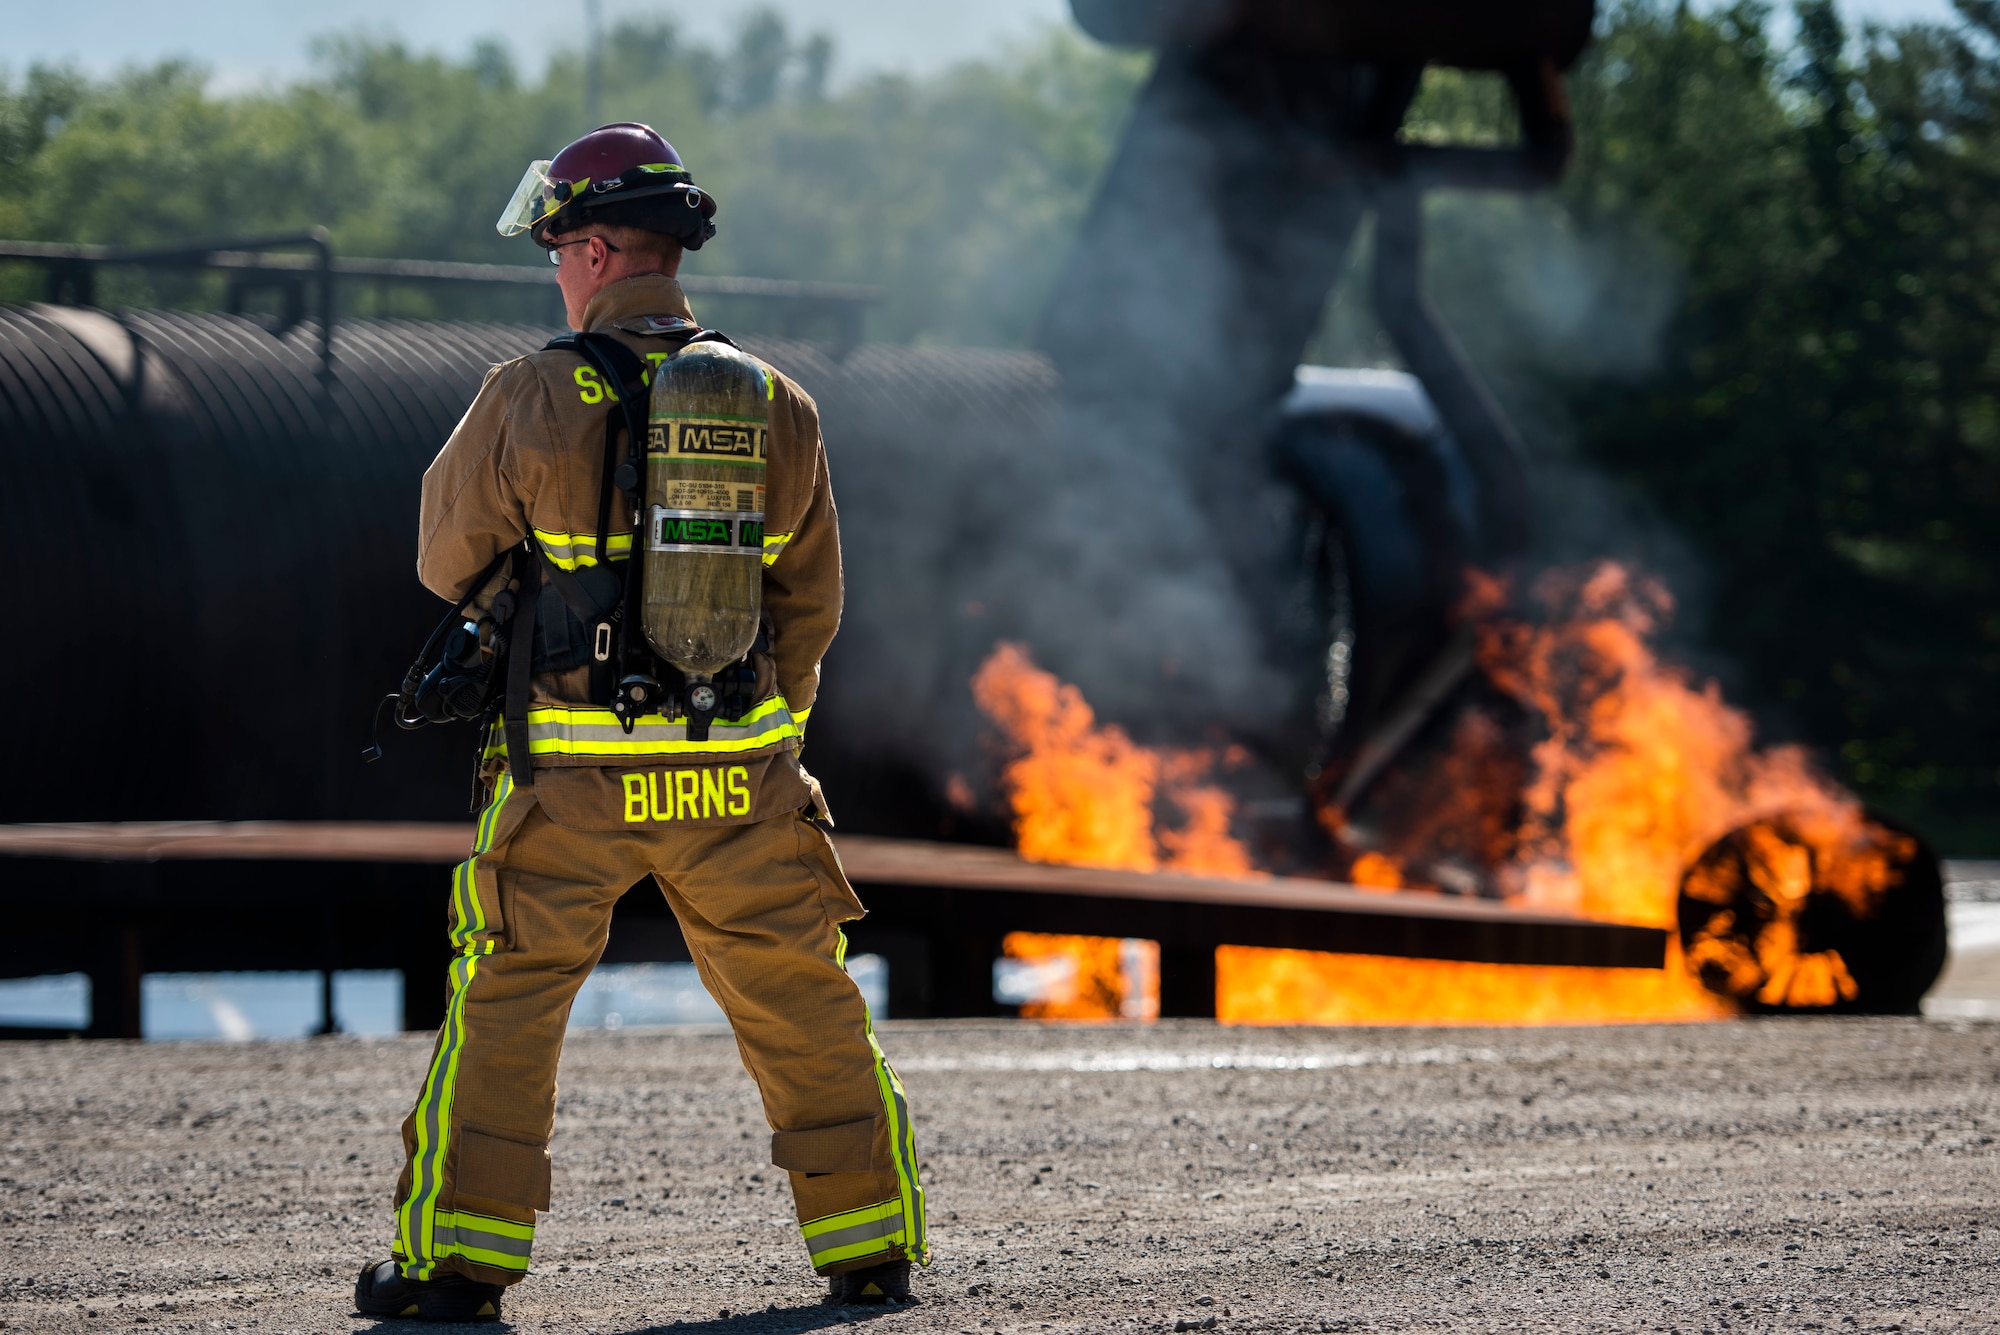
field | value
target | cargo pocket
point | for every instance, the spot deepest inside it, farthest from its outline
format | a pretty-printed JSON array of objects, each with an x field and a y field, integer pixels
[
  {"x": 500, "y": 1168},
  {"x": 482, "y": 887},
  {"x": 846, "y": 1148},
  {"x": 506, "y": 888},
  {"x": 481, "y": 920},
  {"x": 836, "y": 896}
]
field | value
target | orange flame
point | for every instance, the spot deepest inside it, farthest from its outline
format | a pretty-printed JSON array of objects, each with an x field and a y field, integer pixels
[
  {"x": 1084, "y": 793},
  {"x": 1377, "y": 871},
  {"x": 1640, "y": 769},
  {"x": 1256, "y": 986},
  {"x": 1109, "y": 978},
  {"x": 1756, "y": 887}
]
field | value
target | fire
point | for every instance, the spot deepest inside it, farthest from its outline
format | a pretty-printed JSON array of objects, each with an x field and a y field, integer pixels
[
  {"x": 1640, "y": 769},
  {"x": 1085, "y": 793},
  {"x": 1637, "y": 769},
  {"x": 1376, "y": 871},
  {"x": 1254, "y": 986},
  {"x": 1085, "y": 977},
  {"x": 1754, "y": 892}
]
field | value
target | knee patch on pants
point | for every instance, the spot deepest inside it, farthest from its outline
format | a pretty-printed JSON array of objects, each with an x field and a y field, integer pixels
[
  {"x": 500, "y": 1168},
  {"x": 847, "y": 1147}
]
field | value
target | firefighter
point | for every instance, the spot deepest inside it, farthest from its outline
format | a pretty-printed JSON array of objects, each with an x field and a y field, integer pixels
[{"x": 736, "y": 843}]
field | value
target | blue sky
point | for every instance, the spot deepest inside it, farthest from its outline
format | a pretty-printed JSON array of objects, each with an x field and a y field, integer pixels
[{"x": 249, "y": 42}]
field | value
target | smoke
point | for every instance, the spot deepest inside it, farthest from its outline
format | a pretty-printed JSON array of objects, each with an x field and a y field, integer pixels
[
  {"x": 1548, "y": 305},
  {"x": 1110, "y": 504},
  {"x": 1113, "y": 505},
  {"x": 976, "y": 506},
  {"x": 1545, "y": 304}
]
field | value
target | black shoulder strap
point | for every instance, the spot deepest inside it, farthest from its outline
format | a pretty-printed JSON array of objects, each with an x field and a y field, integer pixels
[
  {"x": 619, "y": 366},
  {"x": 581, "y": 605},
  {"x": 520, "y": 666}
]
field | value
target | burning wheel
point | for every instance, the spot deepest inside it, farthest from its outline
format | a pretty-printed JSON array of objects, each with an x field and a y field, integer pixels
[{"x": 1828, "y": 910}]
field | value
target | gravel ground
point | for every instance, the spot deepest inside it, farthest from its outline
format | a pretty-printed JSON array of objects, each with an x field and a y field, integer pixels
[{"x": 1792, "y": 1175}]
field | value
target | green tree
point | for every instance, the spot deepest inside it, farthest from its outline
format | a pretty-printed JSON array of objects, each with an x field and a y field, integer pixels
[
  {"x": 956, "y": 193},
  {"x": 1821, "y": 418}
]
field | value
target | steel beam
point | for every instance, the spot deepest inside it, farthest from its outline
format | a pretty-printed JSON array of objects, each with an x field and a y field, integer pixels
[{"x": 215, "y": 895}]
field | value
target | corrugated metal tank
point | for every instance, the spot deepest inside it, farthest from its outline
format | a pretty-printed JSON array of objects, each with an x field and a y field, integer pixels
[{"x": 211, "y": 553}]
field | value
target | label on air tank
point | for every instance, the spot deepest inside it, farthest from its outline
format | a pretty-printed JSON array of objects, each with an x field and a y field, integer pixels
[
  {"x": 692, "y": 494},
  {"x": 721, "y": 532},
  {"x": 739, "y": 440}
]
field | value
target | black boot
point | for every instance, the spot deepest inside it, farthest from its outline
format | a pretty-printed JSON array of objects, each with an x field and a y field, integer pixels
[
  {"x": 885, "y": 1283},
  {"x": 381, "y": 1290}
]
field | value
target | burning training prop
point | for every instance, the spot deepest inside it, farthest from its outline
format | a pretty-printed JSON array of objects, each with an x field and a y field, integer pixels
[
  {"x": 1579, "y": 774},
  {"x": 1086, "y": 794},
  {"x": 1815, "y": 909},
  {"x": 1587, "y": 775}
]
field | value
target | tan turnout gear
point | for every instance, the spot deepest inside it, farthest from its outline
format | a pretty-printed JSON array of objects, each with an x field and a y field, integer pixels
[
  {"x": 723, "y": 825},
  {"x": 528, "y": 458}
]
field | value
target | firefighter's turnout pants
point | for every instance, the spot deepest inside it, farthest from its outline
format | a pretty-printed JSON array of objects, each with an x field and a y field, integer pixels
[{"x": 761, "y": 906}]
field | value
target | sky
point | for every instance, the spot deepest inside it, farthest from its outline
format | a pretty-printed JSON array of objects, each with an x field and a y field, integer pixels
[{"x": 251, "y": 42}]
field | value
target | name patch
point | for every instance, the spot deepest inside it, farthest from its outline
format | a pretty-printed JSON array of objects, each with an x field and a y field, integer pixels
[{"x": 686, "y": 794}]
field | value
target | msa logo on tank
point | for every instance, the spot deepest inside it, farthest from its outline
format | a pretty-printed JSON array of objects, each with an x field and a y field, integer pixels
[
  {"x": 712, "y": 439},
  {"x": 705, "y": 531},
  {"x": 686, "y": 794}
]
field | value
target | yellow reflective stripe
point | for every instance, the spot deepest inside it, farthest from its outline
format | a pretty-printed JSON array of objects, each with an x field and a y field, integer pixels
[
  {"x": 498, "y": 1260},
  {"x": 565, "y": 731},
  {"x": 852, "y": 1233},
  {"x": 467, "y": 1221},
  {"x": 501, "y": 1243},
  {"x": 854, "y": 1250},
  {"x": 468, "y": 914},
  {"x": 584, "y": 732},
  {"x": 847, "y": 1219},
  {"x": 570, "y": 551},
  {"x": 773, "y": 544},
  {"x": 903, "y": 1143},
  {"x": 417, "y": 1216},
  {"x": 897, "y": 1223}
]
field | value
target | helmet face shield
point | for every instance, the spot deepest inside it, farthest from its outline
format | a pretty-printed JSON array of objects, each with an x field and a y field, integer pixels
[{"x": 535, "y": 198}]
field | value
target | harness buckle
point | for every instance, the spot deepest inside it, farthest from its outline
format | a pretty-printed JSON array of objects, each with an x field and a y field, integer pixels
[{"x": 601, "y": 651}]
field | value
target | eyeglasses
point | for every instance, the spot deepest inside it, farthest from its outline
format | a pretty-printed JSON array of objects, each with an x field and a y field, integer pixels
[{"x": 555, "y": 248}]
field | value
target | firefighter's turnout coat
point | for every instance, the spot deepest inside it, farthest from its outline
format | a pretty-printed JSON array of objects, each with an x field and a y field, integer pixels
[
  {"x": 528, "y": 458},
  {"x": 722, "y": 825}
]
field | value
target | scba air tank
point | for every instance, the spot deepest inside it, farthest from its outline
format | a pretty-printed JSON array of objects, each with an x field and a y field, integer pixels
[{"x": 705, "y": 449}]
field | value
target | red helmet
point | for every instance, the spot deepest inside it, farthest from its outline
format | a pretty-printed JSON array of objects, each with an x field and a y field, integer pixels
[{"x": 624, "y": 174}]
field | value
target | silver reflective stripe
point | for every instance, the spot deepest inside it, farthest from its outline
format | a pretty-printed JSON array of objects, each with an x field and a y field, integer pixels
[
  {"x": 564, "y": 734},
  {"x": 569, "y": 550},
  {"x": 463, "y": 1236},
  {"x": 853, "y": 1233},
  {"x": 729, "y": 532}
]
